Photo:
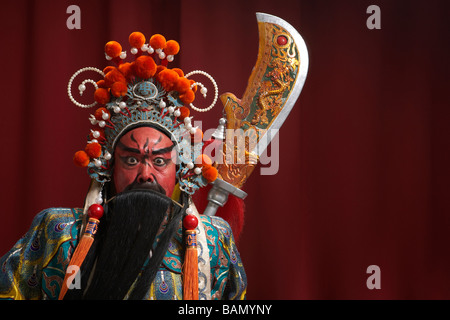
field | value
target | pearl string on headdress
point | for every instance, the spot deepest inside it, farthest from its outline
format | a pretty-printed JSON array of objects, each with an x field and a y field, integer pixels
[
  {"x": 82, "y": 86},
  {"x": 203, "y": 90}
]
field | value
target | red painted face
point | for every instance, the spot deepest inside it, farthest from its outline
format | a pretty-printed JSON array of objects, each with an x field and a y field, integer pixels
[{"x": 142, "y": 156}]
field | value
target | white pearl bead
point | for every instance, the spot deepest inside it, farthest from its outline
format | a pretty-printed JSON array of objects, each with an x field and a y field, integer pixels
[
  {"x": 144, "y": 47},
  {"x": 97, "y": 163},
  {"x": 193, "y": 130},
  {"x": 187, "y": 120},
  {"x": 107, "y": 156},
  {"x": 162, "y": 55},
  {"x": 107, "y": 57},
  {"x": 189, "y": 211},
  {"x": 188, "y": 126},
  {"x": 177, "y": 113},
  {"x": 95, "y": 134},
  {"x": 150, "y": 50},
  {"x": 171, "y": 109},
  {"x": 105, "y": 116},
  {"x": 122, "y": 105},
  {"x": 190, "y": 165},
  {"x": 203, "y": 90},
  {"x": 93, "y": 120},
  {"x": 123, "y": 55},
  {"x": 197, "y": 170},
  {"x": 81, "y": 87},
  {"x": 116, "y": 109},
  {"x": 170, "y": 58},
  {"x": 134, "y": 50},
  {"x": 101, "y": 124},
  {"x": 162, "y": 104}
]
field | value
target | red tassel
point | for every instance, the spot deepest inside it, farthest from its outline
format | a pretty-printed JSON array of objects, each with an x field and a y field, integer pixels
[
  {"x": 190, "y": 266},
  {"x": 95, "y": 212}
]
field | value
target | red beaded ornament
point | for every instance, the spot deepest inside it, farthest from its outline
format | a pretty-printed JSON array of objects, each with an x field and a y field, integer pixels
[
  {"x": 190, "y": 222},
  {"x": 95, "y": 211}
]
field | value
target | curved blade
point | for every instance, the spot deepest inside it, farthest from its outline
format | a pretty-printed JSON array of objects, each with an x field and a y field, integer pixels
[
  {"x": 300, "y": 56},
  {"x": 273, "y": 88}
]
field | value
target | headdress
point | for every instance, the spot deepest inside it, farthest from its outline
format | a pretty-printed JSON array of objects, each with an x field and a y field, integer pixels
[
  {"x": 145, "y": 92},
  {"x": 132, "y": 94}
]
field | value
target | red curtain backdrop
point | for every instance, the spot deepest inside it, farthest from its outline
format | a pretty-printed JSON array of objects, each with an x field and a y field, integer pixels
[{"x": 363, "y": 173}]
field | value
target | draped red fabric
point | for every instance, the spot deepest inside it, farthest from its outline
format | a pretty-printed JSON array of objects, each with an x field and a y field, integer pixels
[{"x": 363, "y": 159}]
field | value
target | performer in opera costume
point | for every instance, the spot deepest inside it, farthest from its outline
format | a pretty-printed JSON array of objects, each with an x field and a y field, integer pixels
[{"x": 139, "y": 234}]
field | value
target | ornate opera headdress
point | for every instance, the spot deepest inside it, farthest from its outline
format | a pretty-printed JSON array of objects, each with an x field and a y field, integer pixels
[
  {"x": 145, "y": 92},
  {"x": 139, "y": 93}
]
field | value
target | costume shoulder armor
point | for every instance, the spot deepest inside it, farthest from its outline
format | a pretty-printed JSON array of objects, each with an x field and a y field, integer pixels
[{"x": 38, "y": 260}]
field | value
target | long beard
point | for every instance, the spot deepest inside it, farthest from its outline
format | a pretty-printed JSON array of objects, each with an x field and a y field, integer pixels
[{"x": 124, "y": 242}]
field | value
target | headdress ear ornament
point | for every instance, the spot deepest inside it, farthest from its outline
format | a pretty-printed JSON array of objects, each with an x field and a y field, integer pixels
[
  {"x": 82, "y": 86},
  {"x": 203, "y": 90}
]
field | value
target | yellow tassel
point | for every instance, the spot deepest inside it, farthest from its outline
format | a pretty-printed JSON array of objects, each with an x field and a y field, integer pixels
[
  {"x": 190, "y": 267},
  {"x": 80, "y": 254}
]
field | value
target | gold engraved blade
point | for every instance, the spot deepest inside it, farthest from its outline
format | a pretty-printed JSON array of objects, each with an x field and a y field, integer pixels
[{"x": 273, "y": 88}]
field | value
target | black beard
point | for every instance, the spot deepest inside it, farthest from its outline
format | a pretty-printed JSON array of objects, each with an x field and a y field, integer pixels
[{"x": 123, "y": 244}]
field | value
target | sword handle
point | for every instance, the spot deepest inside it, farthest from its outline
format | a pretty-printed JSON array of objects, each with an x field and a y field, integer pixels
[{"x": 218, "y": 196}]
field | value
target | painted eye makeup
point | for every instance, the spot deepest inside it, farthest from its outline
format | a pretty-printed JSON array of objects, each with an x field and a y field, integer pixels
[
  {"x": 131, "y": 161},
  {"x": 160, "y": 161}
]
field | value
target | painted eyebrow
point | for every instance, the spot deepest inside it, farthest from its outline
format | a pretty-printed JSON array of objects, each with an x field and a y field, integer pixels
[
  {"x": 137, "y": 151},
  {"x": 162, "y": 151},
  {"x": 129, "y": 149}
]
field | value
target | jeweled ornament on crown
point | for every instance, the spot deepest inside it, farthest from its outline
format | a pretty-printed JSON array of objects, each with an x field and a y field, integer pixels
[{"x": 145, "y": 90}]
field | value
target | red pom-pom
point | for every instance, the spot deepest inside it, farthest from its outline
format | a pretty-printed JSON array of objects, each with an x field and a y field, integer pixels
[
  {"x": 194, "y": 88},
  {"x": 187, "y": 97},
  {"x": 184, "y": 113},
  {"x": 108, "y": 69},
  {"x": 114, "y": 76},
  {"x": 203, "y": 161},
  {"x": 113, "y": 49},
  {"x": 119, "y": 89},
  {"x": 126, "y": 70},
  {"x": 144, "y": 67},
  {"x": 95, "y": 211},
  {"x": 157, "y": 41},
  {"x": 179, "y": 71},
  {"x": 93, "y": 150},
  {"x": 136, "y": 40},
  {"x": 102, "y": 95},
  {"x": 81, "y": 159},
  {"x": 167, "y": 78},
  {"x": 190, "y": 222},
  {"x": 182, "y": 85},
  {"x": 210, "y": 174},
  {"x": 172, "y": 48},
  {"x": 101, "y": 84}
]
